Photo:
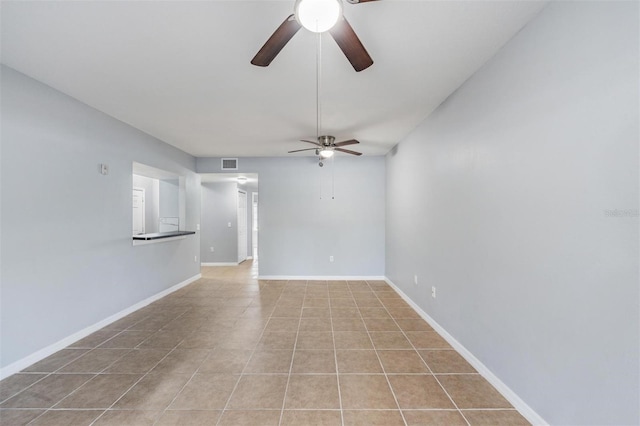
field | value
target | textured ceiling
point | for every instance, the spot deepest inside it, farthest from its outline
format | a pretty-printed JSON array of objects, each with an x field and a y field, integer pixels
[{"x": 180, "y": 70}]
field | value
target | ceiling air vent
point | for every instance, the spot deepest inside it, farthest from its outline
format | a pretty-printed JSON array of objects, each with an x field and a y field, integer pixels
[{"x": 229, "y": 164}]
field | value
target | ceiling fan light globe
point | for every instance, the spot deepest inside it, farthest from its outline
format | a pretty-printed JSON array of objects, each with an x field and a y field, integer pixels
[
  {"x": 318, "y": 16},
  {"x": 326, "y": 153}
]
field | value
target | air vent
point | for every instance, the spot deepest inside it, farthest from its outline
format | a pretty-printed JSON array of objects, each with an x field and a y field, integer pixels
[{"x": 229, "y": 164}]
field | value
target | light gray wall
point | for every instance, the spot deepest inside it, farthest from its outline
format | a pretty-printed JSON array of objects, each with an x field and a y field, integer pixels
[
  {"x": 219, "y": 207},
  {"x": 503, "y": 200},
  {"x": 151, "y": 200},
  {"x": 299, "y": 230},
  {"x": 68, "y": 260},
  {"x": 169, "y": 198}
]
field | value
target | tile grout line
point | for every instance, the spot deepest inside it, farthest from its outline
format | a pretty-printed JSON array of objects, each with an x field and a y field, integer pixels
[
  {"x": 101, "y": 372},
  {"x": 393, "y": 393},
  {"x": 211, "y": 350},
  {"x": 253, "y": 351},
  {"x": 93, "y": 375},
  {"x": 293, "y": 355},
  {"x": 57, "y": 371},
  {"x": 183, "y": 386},
  {"x": 148, "y": 371},
  {"x": 335, "y": 353},
  {"x": 423, "y": 361}
]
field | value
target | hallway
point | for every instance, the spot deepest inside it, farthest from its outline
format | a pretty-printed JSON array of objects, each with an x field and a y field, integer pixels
[{"x": 232, "y": 350}]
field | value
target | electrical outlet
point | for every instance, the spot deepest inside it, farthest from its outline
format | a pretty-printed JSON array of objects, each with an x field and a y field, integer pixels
[
  {"x": 433, "y": 292},
  {"x": 197, "y": 226},
  {"x": 211, "y": 249},
  {"x": 228, "y": 224},
  {"x": 195, "y": 259},
  {"x": 415, "y": 279},
  {"x": 330, "y": 258}
]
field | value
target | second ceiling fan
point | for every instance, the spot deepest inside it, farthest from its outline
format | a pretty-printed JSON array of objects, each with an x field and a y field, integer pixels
[{"x": 310, "y": 14}]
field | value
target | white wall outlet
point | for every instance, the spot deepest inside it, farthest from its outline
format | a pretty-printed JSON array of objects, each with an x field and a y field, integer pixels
[
  {"x": 195, "y": 259},
  {"x": 104, "y": 169},
  {"x": 415, "y": 279},
  {"x": 229, "y": 225},
  {"x": 330, "y": 258},
  {"x": 211, "y": 249},
  {"x": 197, "y": 226},
  {"x": 433, "y": 292}
]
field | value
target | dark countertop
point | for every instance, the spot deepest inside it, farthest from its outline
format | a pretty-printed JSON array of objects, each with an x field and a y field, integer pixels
[{"x": 159, "y": 235}]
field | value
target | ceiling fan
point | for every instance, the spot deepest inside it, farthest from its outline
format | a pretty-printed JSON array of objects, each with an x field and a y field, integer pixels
[
  {"x": 317, "y": 16},
  {"x": 327, "y": 145}
]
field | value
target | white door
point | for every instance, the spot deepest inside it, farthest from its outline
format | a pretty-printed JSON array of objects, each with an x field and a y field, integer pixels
[
  {"x": 242, "y": 226},
  {"x": 138, "y": 211},
  {"x": 254, "y": 225}
]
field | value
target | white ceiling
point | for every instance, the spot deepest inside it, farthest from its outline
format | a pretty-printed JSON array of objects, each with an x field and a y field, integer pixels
[{"x": 180, "y": 71}]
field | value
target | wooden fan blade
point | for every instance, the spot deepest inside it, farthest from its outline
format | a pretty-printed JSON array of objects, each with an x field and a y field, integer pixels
[
  {"x": 300, "y": 150},
  {"x": 315, "y": 143},
  {"x": 351, "y": 45},
  {"x": 345, "y": 143},
  {"x": 348, "y": 151},
  {"x": 276, "y": 42}
]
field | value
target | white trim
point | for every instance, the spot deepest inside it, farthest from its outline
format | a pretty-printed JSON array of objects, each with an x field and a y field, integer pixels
[
  {"x": 144, "y": 207},
  {"x": 524, "y": 409},
  {"x": 239, "y": 221},
  {"x": 321, "y": 278},
  {"x": 249, "y": 257},
  {"x": 220, "y": 264},
  {"x": 25, "y": 362}
]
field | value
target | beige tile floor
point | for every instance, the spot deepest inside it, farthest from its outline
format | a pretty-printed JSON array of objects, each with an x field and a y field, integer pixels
[{"x": 232, "y": 350}]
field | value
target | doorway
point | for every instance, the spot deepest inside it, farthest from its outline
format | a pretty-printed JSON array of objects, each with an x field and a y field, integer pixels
[{"x": 227, "y": 232}]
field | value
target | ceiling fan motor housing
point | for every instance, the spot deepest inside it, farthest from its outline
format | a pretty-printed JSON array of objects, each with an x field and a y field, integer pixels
[{"x": 326, "y": 140}]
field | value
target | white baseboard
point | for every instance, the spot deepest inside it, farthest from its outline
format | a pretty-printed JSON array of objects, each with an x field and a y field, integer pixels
[
  {"x": 249, "y": 257},
  {"x": 220, "y": 264},
  {"x": 522, "y": 407},
  {"x": 25, "y": 362},
  {"x": 319, "y": 278}
]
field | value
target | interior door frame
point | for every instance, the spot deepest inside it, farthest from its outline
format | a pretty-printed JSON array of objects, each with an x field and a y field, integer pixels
[
  {"x": 144, "y": 208},
  {"x": 243, "y": 220},
  {"x": 254, "y": 231}
]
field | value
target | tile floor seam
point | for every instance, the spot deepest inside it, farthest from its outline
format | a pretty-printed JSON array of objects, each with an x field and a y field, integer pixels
[
  {"x": 335, "y": 360},
  {"x": 50, "y": 373},
  {"x": 240, "y": 375},
  {"x": 164, "y": 410},
  {"x": 62, "y": 366},
  {"x": 253, "y": 351},
  {"x": 47, "y": 409},
  {"x": 136, "y": 382},
  {"x": 395, "y": 398},
  {"x": 422, "y": 359},
  {"x": 22, "y": 390},
  {"x": 293, "y": 357}
]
